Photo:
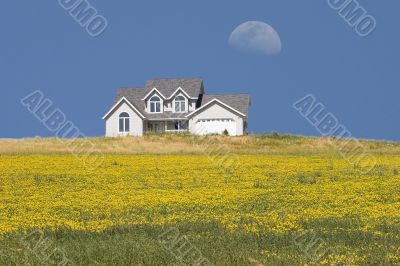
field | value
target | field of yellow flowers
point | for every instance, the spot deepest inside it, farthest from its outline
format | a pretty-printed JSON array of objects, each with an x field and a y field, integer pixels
[{"x": 270, "y": 210}]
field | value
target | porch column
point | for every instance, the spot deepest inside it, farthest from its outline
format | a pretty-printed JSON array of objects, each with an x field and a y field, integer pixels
[{"x": 165, "y": 126}]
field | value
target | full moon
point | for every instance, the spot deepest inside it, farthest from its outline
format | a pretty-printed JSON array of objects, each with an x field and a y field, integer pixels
[{"x": 256, "y": 37}]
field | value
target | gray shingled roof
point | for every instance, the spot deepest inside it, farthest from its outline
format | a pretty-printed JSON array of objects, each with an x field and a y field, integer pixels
[
  {"x": 240, "y": 102},
  {"x": 192, "y": 86},
  {"x": 134, "y": 95}
]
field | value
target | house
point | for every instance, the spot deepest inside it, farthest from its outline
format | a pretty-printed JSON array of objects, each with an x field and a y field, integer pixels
[{"x": 176, "y": 105}]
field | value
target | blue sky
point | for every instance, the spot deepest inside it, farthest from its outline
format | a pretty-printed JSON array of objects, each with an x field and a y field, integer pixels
[{"x": 357, "y": 78}]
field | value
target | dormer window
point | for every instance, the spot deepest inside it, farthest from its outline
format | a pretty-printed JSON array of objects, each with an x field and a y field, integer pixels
[
  {"x": 155, "y": 104},
  {"x": 180, "y": 104}
]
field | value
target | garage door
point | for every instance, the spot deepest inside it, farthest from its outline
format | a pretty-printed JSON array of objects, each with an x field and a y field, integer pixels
[{"x": 215, "y": 126}]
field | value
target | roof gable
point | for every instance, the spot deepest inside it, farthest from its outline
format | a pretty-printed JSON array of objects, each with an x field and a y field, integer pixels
[
  {"x": 216, "y": 101},
  {"x": 191, "y": 86},
  {"x": 123, "y": 100},
  {"x": 152, "y": 92},
  {"x": 176, "y": 93},
  {"x": 134, "y": 96},
  {"x": 239, "y": 102}
]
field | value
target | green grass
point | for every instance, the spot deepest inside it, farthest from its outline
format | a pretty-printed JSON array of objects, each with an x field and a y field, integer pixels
[{"x": 140, "y": 245}]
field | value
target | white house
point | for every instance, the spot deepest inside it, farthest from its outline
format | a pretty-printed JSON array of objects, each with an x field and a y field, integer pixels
[{"x": 176, "y": 105}]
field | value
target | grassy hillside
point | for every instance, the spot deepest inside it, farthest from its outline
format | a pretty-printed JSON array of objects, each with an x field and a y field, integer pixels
[
  {"x": 166, "y": 200},
  {"x": 170, "y": 144}
]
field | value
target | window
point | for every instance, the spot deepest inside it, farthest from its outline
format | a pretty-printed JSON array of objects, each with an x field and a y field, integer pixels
[
  {"x": 124, "y": 123},
  {"x": 180, "y": 104},
  {"x": 179, "y": 125},
  {"x": 155, "y": 104}
]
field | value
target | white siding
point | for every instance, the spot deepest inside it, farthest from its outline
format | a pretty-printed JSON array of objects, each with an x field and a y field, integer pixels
[
  {"x": 216, "y": 111},
  {"x": 167, "y": 106},
  {"x": 192, "y": 105},
  {"x": 112, "y": 122}
]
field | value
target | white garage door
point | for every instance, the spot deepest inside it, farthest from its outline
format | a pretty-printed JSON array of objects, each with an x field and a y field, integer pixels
[{"x": 215, "y": 126}]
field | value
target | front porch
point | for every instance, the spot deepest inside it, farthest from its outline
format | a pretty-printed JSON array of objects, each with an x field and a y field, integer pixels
[{"x": 173, "y": 126}]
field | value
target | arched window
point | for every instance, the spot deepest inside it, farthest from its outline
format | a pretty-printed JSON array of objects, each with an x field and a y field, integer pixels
[
  {"x": 180, "y": 104},
  {"x": 124, "y": 122},
  {"x": 155, "y": 104}
]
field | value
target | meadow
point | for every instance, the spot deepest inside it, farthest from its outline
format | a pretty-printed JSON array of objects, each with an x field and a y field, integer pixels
[{"x": 165, "y": 200}]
